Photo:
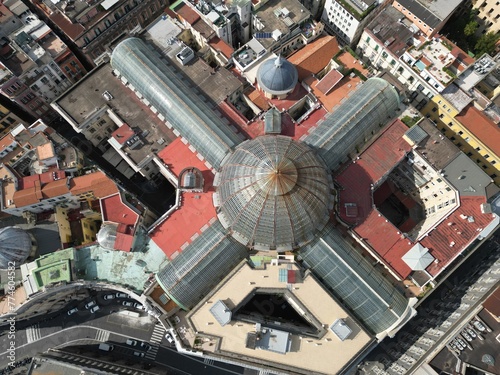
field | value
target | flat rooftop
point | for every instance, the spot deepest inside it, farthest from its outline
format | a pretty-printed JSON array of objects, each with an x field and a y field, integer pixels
[
  {"x": 327, "y": 355},
  {"x": 196, "y": 211},
  {"x": 82, "y": 101},
  {"x": 272, "y": 19}
]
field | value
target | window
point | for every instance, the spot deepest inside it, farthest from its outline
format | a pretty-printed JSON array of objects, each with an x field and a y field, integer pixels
[
  {"x": 434, "y": 109},
  {"x": 393, "y": 62},
  {"x": 107, "y": 23},
  {"x": 486, "y": 156},
  {"x": 384, "y": 55},
  {"x": 460, "y": 132}
]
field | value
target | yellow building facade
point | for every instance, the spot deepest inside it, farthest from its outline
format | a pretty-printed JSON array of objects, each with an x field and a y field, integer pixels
[{"x": 444, "y": 114}]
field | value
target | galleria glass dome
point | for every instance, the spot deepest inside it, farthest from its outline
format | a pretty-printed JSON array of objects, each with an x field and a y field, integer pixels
[
  {"x": 15, "y": 246},
  {"x": 277, "y": 76},
  {"x": 273, "y": 193}
]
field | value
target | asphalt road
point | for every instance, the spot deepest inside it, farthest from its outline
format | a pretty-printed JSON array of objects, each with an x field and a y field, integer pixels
[
  {"x": 114, "y": 323},
  {"x": 439, "y": 316}
]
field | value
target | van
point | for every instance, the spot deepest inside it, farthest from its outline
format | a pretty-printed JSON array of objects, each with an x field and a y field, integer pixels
[{"x": 106, "y": 347}]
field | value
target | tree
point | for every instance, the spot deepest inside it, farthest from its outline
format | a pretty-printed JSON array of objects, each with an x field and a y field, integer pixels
[
  {"x": 486, "y": 43},
  {"x": 471, "y": 28}
]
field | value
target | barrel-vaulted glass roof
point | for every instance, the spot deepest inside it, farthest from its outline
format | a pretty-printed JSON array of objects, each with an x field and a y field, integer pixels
[
  {"x": 201, "y": 266},
  {"x": 368, "y": 108},
  {"x": 352, "y": 279},
  {"x": 161, "y": 86}
]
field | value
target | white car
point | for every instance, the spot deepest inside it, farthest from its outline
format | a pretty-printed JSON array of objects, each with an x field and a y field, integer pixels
[
  {"x": 94, "y": 309},
  {"x": 128, "y": 304},
  {"x": 145, "y": 346},
  {"x": 108, "y": 296},
  {"x": 139, "y": 306},
  {"x": 121, "y": 295},
  {"x": 90, "y": 304},
  {"x": 72, "y": 311},
  {"x": 169, "y": 338},
  {"x": 139, "y": 354}
]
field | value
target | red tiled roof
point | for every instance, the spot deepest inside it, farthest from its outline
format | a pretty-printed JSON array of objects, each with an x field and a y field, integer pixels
[
  {"x": 444, "y": 242},
  {"x": 329, "y": 81},
  {"x": 123, "y": 134},
  {"x": 481, "y": 126},
  {"x": 492, "y": 304},
  {"x": 6, "y": 141},
  {"x": 187, "y": 14},
  {"x": 219, "y": 45},
  {"x": 123, "y": 242},
  {"x": 55, "y": 188},
  {"x": 315, "y": 56},
  {"x": 114, "y": 210},
  {"x": 97, "y": 182},
  {"x": 29, "y": 196},
  {"x": 197, "y": 209},
  {"x": 72, "y": 30}
]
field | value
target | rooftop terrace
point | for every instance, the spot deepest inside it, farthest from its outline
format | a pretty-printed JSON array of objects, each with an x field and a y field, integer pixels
[{"x": 326, "y": 355}]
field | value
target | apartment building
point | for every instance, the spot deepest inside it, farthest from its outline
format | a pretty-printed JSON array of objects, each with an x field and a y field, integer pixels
[
  {"x": 93, "y": 25},
  {"x": 488, "y": 15}
]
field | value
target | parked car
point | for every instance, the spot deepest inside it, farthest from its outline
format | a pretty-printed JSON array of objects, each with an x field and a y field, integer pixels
[
  {"x": 94, "y": 309},
  {"x": 72, "y": 311},
  {"x": 121, "y": 295},
  {"x": 128, "y": 304},
  {"x": 139, "y": 306},
  {"x": 145, "y": 346},
  {"x": 90, "y": 304},
  {"x": 169, "y": 338},
  {"x": 108, "y": 296},
  {"x": 139, "y": 354},
  {"x": 131, "y": 342},
  {"x": 479, "y": 325}
]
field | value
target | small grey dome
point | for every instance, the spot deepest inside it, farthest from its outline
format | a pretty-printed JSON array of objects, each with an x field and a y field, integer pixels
[
  {"x": 106, "y": 236},
  {"x": 277, "y": 76},
  {"x": 15, "y": 246}
]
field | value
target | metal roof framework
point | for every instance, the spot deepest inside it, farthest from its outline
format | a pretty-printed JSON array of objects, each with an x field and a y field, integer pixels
[
  {"x": 352, "y": 279},
  {"x": 201, "y": 266},
  {"x": 273, "y": 193},
  {"x": 171, "y": 96},
  {"x": 353, "y": 121}
]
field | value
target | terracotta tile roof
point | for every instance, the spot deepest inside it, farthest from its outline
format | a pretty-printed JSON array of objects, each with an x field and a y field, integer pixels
[
  {"x": 492, "y": 304},
  {"x": 197, "y": 210},
  {"x": 123, "y": 134},
  {"x": 444, "y": 242},
  {"x": 186, "y": 14},
  {"x": 6, "y": 141},
  {"x": 72, "y": 30},
  {"x": 55, "y": 188},
  {"x": 335, "y": 96},
  {"x": 329, "y": 81},
  {"x": 29, "y": 196},
  {"x": 45, "y": 151},
  {"x": 219, "y": 45},
  {"x": 481, "y": 126},
  {"x": 123, "y": 242},
  {"x": 97, "y": 182},
  {"x": 315, "y": 56},
  {"x": 257, "y": 98},
  {"x": 114, "y": 210},
  {"x": 203, "y": 29}
]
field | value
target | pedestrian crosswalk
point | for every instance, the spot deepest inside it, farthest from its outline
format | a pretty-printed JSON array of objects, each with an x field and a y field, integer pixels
[
  {"x": 208, "y": 361},
  {"x": 157, "y": 335},
  {"x": 102, "y": 335},
  {"x": 33, "y": 333},
  {"x": 151, "y": 353}
]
